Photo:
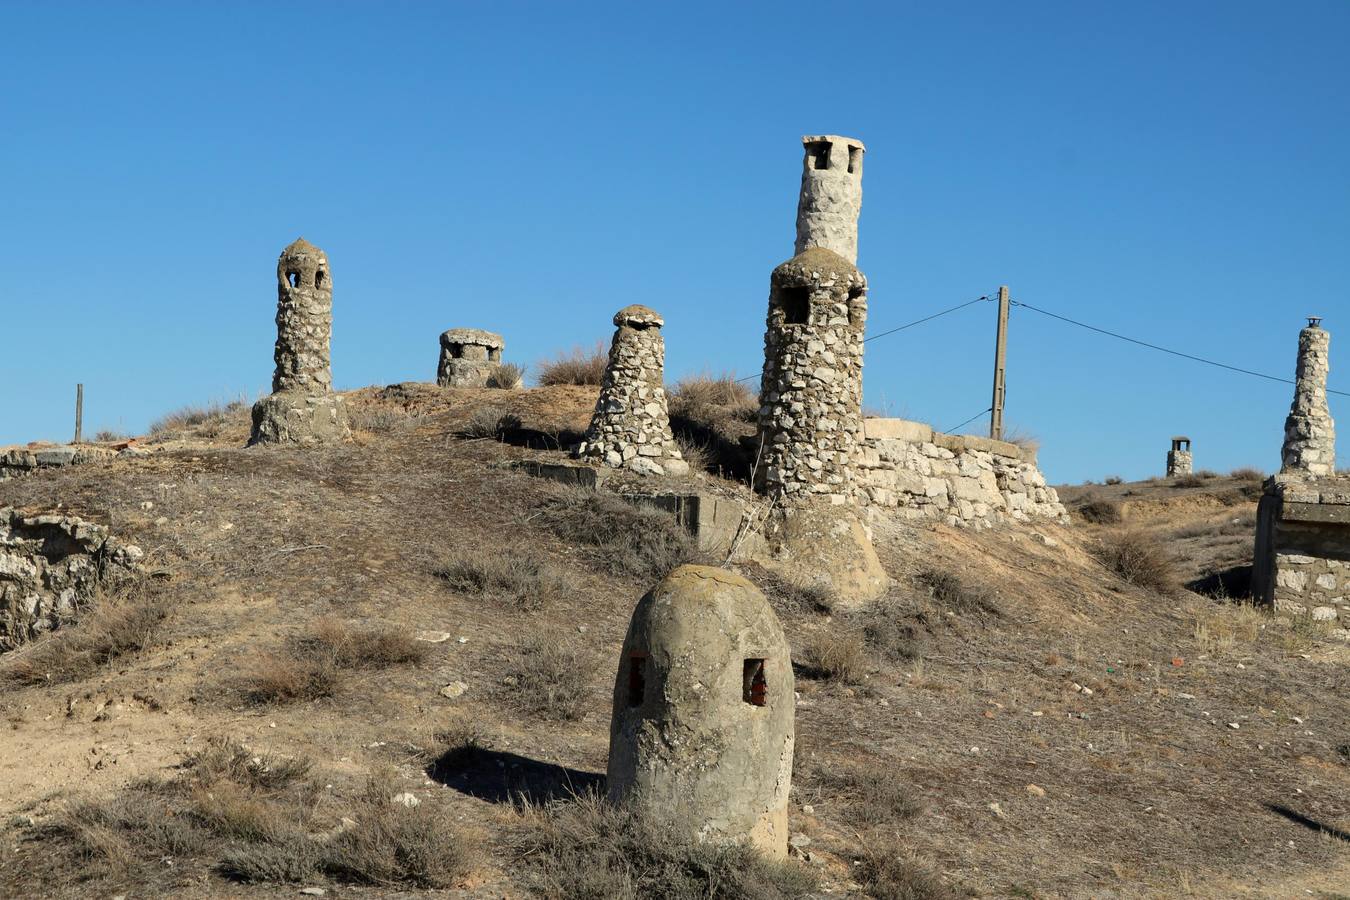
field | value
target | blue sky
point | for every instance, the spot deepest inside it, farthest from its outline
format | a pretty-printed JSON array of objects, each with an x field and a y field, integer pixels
[{"x": 1173, "y": 171}]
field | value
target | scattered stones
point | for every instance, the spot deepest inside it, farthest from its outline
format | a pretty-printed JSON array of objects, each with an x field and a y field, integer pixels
[
  {"x": 302, "y": 408},
  {"x": 469, "y": 357},
  {"x": 1035, "y": 790},
  {"x": 453, "y": 690},
  {"x": 630, "y": 428},
  {"x": 407, "y": 798},
  {"x": 433, "y": 637}
]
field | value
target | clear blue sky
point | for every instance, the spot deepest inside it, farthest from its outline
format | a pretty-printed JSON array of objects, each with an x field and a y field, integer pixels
[{"x": 1175, "y": 171}]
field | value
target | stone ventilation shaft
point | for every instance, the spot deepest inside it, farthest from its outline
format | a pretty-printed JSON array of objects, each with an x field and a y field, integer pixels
[
  {"x": 302, "y": 408},
  {"x": 631, "y": 426},
  {"x": 1179, "y": 457},
  {"x": 701, "y": 736},
  {"x": 1309, "y": 432},
  {"x": 810, "y": 418},
  {"x": 469, "y": 357}
]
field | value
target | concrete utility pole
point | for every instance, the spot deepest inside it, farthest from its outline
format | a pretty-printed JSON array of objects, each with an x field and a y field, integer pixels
[
  {"x": 79, "y": 411},
  {"x": 1000, "y": 357}
]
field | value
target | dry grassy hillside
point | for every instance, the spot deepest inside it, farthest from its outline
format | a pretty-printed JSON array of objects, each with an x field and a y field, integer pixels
[{"x": 383, "y": 669}]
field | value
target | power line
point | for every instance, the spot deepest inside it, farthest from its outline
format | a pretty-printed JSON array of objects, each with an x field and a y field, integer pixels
[
  {"x": 968, "y": 421},
  {"x": 1199, "y": 359},
  {"x": 883, "y": 334}
]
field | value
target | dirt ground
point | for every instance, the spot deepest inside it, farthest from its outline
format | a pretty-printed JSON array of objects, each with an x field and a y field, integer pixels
[{"x": 1076, "y": 736}]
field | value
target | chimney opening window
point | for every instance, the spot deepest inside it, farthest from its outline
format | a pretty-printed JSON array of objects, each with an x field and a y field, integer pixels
[
  {"x": 637, "y": 678},
  {"x": 755, "y": 690},
  {"x": 795, "y": 302},
  {"x": 318, "y": 278},
  {"x": 293, "y": 279},
  {"x": 855, "y": 155},
  {"x": 819, "y": 151}
]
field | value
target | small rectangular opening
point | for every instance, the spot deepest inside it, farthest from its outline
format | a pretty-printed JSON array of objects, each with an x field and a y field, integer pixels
[
  {"x": 819, "y": 151},
  {"x": 755, "y": 689},
  {"x": 637, "y": 678},
  {"x": 456, "y": 351},
  {"x": 855, "y": 160},
  {"x": 795, "y": 302}
]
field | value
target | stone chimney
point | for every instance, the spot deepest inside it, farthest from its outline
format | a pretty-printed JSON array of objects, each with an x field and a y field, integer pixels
[
  {"x": 1309, "y": 432},
  {"x": 831, "y": 198}
]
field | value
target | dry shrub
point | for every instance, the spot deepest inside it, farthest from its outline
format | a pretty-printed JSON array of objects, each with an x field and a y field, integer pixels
[
  {"x": 703, "y": 395},
  {"x": 383, "y": 419},
  {"x": 892, "y": 633},
  {"x": 394, "y": 845},
  {"x": 834, "y": 655},
  {"x": 1139, "y": 558},
  {"x": 1100, "y": 512},
  {"x": 891, "y": 871},
  {"x": 547, "y": 678},
  {"x": 873, "y": 792},
  {"x": 208, "y": 417},
  {"x": 109, "y": 436},
  {"x": 951, "y": 591},
  {"x": 123, "y": 622},
  {"x": 697, "y": 453},
  {"x": 1206, "y": 474},
  {"x": 507, "y": 377},
  {"x": 361, "y": 647},
  {"x": 628, "y": 540},
  {"x": 490, "y": 422},
  {"x": 585, "y": 847},
  {"x": 518, "y": 577},
  {"x": 1113, "y": 479},
  {"x": 577, "y": 366},
  {"x": 1248, "y": 473},
  {"x": 1022, "y": 438},
  {"x": 1188, "y": 481},
  {"x": 311, "y": 667}
]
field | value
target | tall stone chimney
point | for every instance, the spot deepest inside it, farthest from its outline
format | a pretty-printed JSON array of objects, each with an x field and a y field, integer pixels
[
  {"x": 1309, "y": 432},
  {"x": 831, "y": 198}
]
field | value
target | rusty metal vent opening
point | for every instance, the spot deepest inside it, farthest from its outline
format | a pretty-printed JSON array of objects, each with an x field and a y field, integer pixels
[{"x": 755, "y": 689}]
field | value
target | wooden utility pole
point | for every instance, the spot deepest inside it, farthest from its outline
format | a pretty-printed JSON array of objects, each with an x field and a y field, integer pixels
[
  {"x": 1000, "y": 357},
  {"x": 79, "y": 411}
]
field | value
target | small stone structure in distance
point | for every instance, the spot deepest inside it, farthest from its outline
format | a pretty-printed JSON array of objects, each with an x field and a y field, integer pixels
[
  {"x": 1179, "y": 460},
  {"x": 302, "y": 408},
  {"x": 701, "y": 735},
  {"x": 469, "y": 357},
  {"x": 1302, "y": 554},
  {"x": 630, "y": 428}
]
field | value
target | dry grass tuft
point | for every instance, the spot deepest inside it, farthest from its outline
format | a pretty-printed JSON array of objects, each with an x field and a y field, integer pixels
[
  {"x": 628, "y": 540},
  {"x": 698, "y": 454},
  {"x": 1188, "y": 481},
  {"x": 952, "y": 592},
  {"x": 704, "y": 395},
  {"x": 891, "y": 871},
  {"x": 577, "y": 366},
  {"x": 109, "y": 436},
  {"x": 382, "y": 419},
  {"x": 1140, "y": 559},
  {"x": 312, "y": 666},
  {"x": 873, "y": 792},
  {"x": 834, "y": 655},
  {"x": 1022, "y": 438},
  {"x": 207, "y": 418},
  {"x": 517, "y": 577},
  {"x": 507, "y": 377},
  {"x": 490, "y": 422},
  {"x": 547, "y": 678},
  {"x": 123, "y": 623},
  {"x": 585, "y": 847},
  {"x": 1248, "y": 473},
  {"x": 1100, "y": 512}
]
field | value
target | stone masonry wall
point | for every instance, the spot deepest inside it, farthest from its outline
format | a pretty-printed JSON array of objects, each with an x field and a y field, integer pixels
[
  {"x": 962, "y": 480},
  {"x": 1309, "y": 432},
  {"x": 630, "y": 428},
  {"x": 469, "y": 357},
  {"x": 1302, "y": 557},
  {"x": 810, "y": 416},
  {"x": 24, "y": 461},
  {"x": 50, "y": 567},
  {"x": 1179, "y": 462}
]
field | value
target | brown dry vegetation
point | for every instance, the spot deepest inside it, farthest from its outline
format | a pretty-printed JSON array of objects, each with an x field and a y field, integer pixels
[
  {"x": 150, "y": 772},
  {"x": 577, "y": 366}
]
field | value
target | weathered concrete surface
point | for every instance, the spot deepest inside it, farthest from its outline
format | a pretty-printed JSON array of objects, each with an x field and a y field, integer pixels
[
  {"x": 963, "y": 480},
  {"x": 1179, "y": 462},
  {"x": 1301, "y": 561},
  {"x": 469, "y": 357},
  {"x": 831, "y": 195},
  {"x": 302, "y": 408},
  {"x": 810, "y": 416},
  {"x": 630, "y": 428},
  {"x": 1309, "y": 431},
  {"x": 697, "y": 740},
  {"x": 814, "y": 544},
  {"x": 51, "y": 567}
]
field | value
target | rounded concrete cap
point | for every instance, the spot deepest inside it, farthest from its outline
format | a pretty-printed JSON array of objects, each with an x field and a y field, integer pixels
[
  {"x": 301, "y": 249},
  {"x": 639, "y": 315},
  {"x": 475, "y": 336},
  {"x": 817, "y": 264}
]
